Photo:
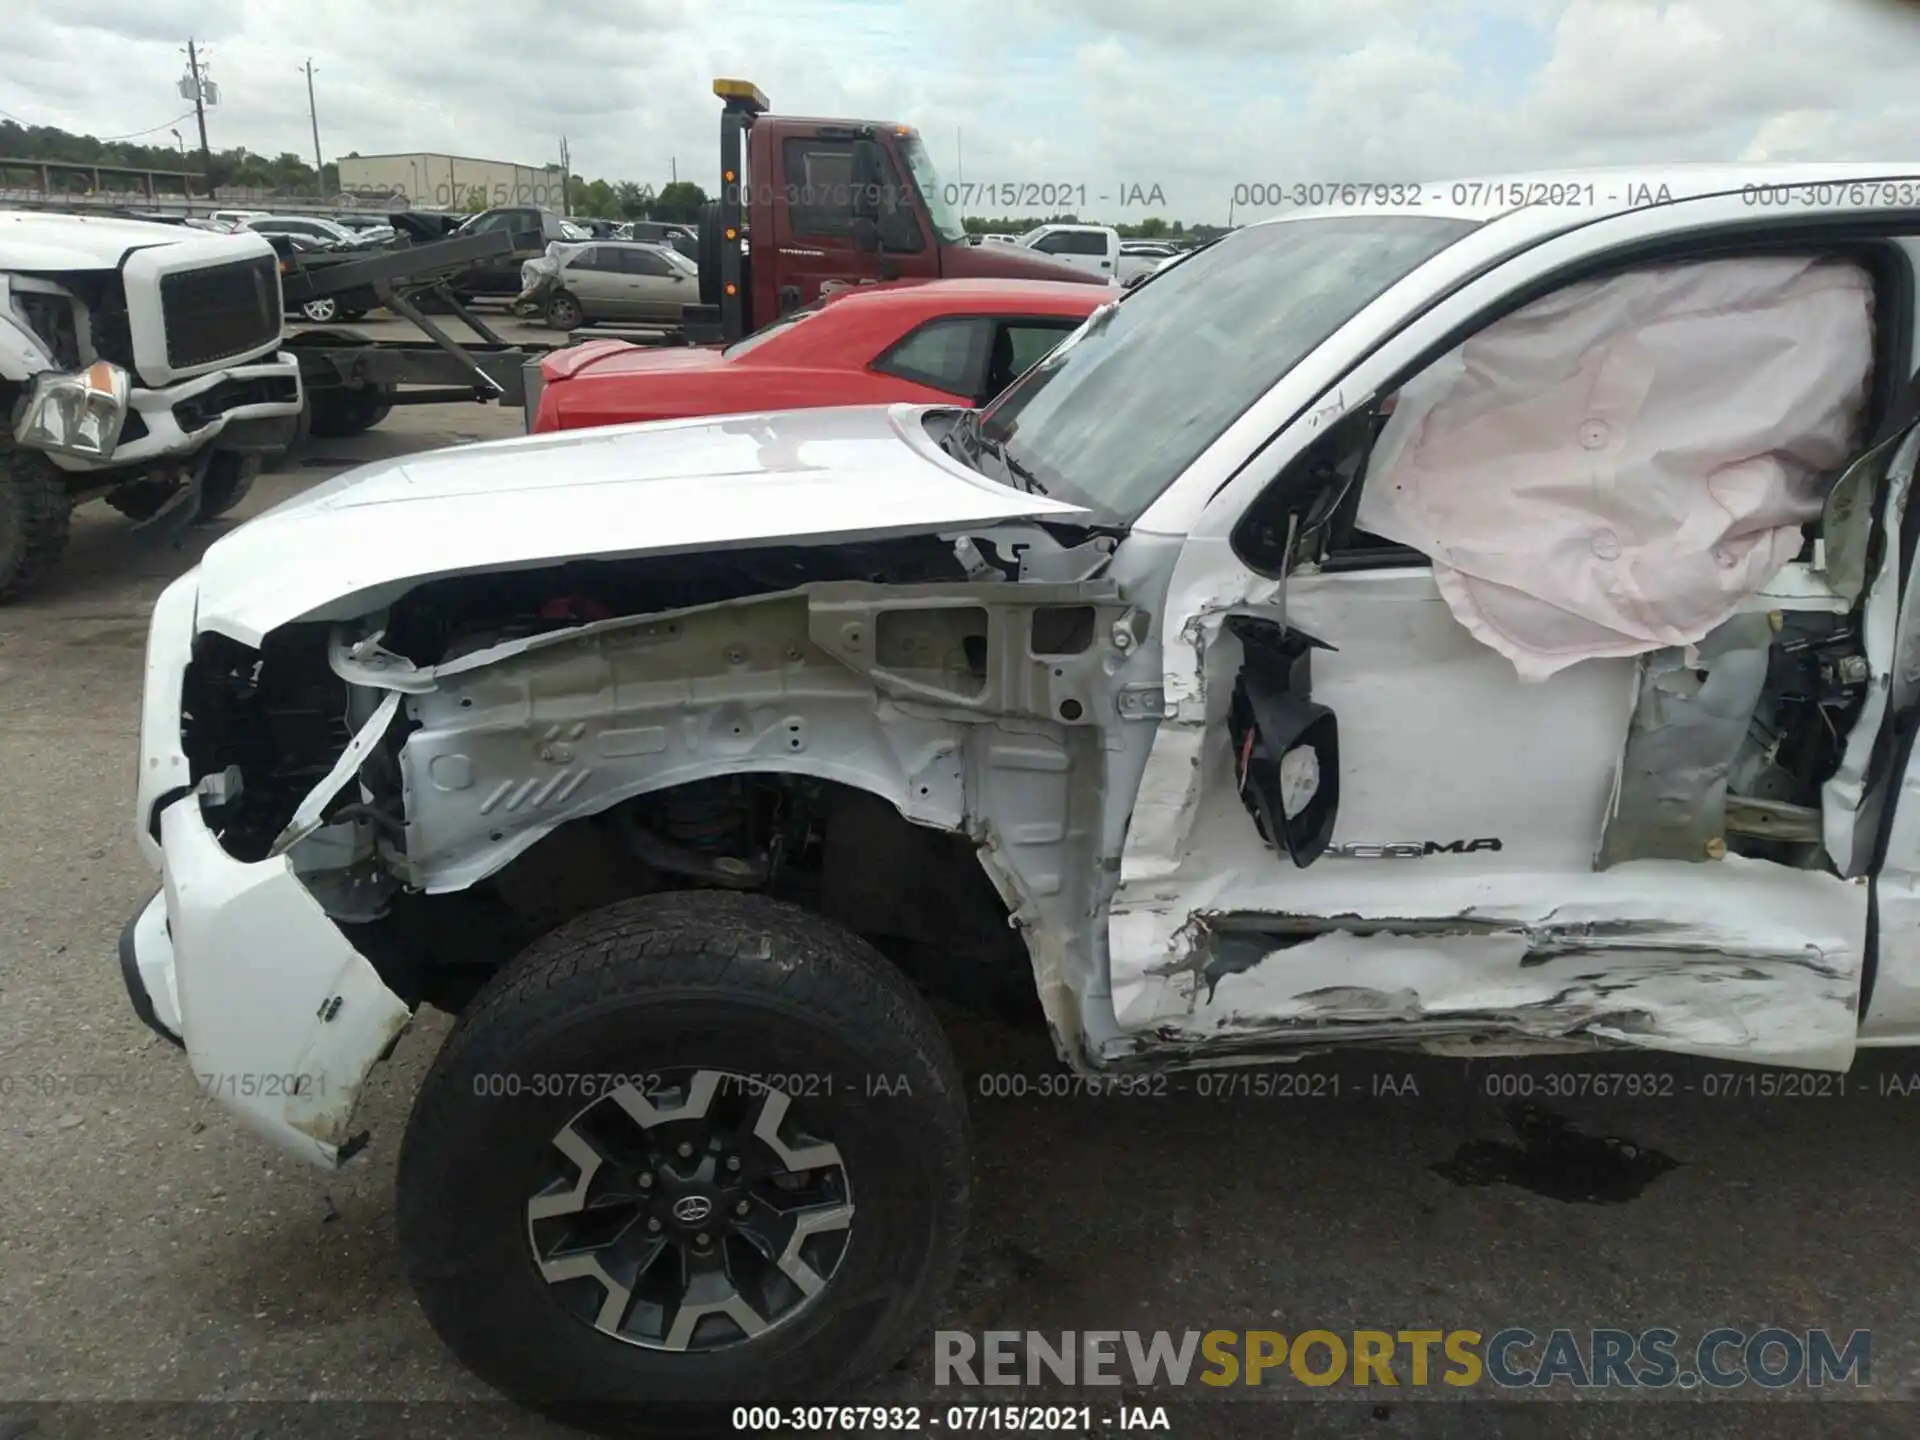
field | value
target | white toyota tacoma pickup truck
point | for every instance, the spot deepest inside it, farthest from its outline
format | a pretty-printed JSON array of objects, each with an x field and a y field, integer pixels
[
  {"x": 1486, "y": 625},
  {"x": 139, "y": 364}
]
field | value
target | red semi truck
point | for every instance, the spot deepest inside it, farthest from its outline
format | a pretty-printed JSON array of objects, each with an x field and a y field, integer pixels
[{"x": 809, "y": 203}]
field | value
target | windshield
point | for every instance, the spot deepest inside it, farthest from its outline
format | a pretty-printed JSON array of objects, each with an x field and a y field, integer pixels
[
  {"x": 946, "y": 224},
  {"x": 575, "y": 232},
  {"x": 1131, "y": 398}
]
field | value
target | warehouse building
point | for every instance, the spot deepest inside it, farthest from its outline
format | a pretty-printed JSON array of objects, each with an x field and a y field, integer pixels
[{"x": 448, "y": 182}]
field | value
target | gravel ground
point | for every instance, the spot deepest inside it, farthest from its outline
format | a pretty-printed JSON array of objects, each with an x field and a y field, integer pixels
[{"x": 152, "y": 1254}]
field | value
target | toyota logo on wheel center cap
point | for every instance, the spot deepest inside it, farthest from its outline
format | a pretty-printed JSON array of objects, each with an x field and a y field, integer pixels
[{"x": 692, "y": 1209}]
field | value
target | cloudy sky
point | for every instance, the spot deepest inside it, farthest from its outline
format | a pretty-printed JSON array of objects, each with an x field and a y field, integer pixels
[{"x": 1194, "y": 96}]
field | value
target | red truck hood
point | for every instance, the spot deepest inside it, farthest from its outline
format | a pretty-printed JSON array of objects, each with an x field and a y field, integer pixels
[
  {"x": 620, "y": 357},
  {"x": 1008, "y": 262}
]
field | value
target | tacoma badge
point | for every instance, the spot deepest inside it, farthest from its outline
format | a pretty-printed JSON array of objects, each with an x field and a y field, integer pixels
[{"x": 1412, "y": 849}]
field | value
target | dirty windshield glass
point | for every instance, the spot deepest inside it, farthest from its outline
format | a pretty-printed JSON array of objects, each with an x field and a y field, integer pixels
[{"x": 1112, "y": 416}]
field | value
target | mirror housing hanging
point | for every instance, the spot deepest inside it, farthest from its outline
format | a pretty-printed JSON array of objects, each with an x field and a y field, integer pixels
[{"x": 1286, "y": 748}]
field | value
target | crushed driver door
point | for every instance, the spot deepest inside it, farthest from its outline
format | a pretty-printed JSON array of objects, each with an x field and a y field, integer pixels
[
  {"x": 1358, "y": 824},
  {"x": 1871, "y": 804}
]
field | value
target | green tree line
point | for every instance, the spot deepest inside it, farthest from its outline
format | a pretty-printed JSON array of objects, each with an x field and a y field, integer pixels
[
  {"x": 289, "y": 175},
  {"x": 286, "y": 172},
  {"x": 629, "y": 200}
]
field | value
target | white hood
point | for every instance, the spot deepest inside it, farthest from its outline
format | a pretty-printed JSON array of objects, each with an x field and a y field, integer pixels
[
  {"x": 30, "y": 240},
  {"x": 799, "y": 477}
]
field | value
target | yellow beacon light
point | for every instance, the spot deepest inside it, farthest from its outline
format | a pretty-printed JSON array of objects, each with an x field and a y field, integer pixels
[{"x": 742, "y": 91}]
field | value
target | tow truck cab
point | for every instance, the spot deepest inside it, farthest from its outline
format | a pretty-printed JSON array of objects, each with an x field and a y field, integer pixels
[{"x": 808, "y": 205}]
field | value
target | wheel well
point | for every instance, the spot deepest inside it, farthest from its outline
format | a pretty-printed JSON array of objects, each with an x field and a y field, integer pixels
[{"x": 918, "y": 894}]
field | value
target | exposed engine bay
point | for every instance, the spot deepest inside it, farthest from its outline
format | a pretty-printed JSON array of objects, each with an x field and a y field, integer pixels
[
  {"x": 262, "y": 729},
  {"x": 281, "y": 715}
]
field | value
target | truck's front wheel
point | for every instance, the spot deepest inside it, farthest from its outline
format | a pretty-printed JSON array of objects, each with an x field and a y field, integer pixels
[
  {"x": 690, "y": 1151},
  {"x": 228, "y": 481},
  {"x": 34, "y": 511}
]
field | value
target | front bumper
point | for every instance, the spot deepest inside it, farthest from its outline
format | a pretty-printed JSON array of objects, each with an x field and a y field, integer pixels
[
  {"x": 185, "y": 417},
  {"x": 145, "y": 939},
  {"x": 280, "y": 1016}
]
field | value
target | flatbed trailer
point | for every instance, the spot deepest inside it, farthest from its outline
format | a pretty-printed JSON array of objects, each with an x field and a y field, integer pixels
[{"x": 352, "y": 381}]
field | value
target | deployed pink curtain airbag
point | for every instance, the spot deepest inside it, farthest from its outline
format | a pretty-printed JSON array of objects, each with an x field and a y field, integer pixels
[{"x": 1614, "y": 468}]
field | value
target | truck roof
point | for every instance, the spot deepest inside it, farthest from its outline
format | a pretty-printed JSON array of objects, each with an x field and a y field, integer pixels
[{"x": 832, "y": 122}]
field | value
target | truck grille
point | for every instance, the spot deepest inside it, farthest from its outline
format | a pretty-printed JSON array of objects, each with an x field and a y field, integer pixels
[{"x": 220, "y": 311}]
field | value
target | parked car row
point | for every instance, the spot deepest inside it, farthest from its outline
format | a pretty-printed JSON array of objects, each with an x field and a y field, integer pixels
[{"x": 1099, "y": 250}]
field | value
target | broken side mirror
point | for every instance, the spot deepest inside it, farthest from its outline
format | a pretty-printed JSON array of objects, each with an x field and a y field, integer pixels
[
  {"x": 1286, "y": 749},
  {"x": 1301, "y": 504}
]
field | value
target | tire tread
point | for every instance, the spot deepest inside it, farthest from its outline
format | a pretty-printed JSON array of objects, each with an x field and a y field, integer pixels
[
  {"x": 42, "y": 514},
  {"x": 695, "y": 945}
]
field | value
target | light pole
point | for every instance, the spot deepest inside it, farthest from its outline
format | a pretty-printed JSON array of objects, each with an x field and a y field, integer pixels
[
  {"x": 313, "y": 115},
  {"x": 195, "y": 86}
]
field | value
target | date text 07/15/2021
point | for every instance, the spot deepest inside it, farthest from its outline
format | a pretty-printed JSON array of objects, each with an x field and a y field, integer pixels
[{"x": 1561, "y": 194}]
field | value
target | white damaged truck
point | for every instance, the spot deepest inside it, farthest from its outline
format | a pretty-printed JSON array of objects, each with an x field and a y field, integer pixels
[
  {"x": 140, "y": 365},
  {"x": 1488, "y": 626}
]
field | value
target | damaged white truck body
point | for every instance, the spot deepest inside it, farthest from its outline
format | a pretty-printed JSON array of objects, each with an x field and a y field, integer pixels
[
  {"x": 140, "y": 364},
  {"x": 1488, "y": 630}
]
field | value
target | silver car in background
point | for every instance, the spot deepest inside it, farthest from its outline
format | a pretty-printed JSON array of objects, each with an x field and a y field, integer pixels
[{"x": 577, "y": 283}]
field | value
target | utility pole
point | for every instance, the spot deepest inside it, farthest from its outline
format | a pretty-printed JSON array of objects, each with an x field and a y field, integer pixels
[
  {"x": 566, "y": 183},
  {"x": 202, "y": 91},
  {"x": 313, "y": 115},
  {"x": 673, "y": 168}
]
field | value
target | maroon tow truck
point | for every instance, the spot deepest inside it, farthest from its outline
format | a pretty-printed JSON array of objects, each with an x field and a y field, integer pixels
[{"x": 805, "y": 205}]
